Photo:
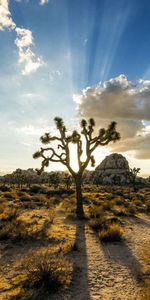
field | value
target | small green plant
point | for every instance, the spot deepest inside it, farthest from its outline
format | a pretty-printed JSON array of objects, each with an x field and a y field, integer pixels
[{"x": 113, "y": 233}]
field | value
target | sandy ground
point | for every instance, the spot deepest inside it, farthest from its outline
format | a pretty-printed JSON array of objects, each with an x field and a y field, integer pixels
[
  {"x": 101, "y": 271},
  {"x": 109, "y": 271}
]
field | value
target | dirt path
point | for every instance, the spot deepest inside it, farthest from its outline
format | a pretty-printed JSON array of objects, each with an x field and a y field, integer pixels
[{"x": 108, "y": 271}]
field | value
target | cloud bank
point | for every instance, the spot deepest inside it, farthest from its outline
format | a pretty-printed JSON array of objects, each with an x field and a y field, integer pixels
[
  {"x": 126, "y": 102},
  {"x": 24, "y": 41}
]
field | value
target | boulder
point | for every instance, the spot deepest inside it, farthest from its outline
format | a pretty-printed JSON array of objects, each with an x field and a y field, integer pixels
[{"x": 114, "y": 169}]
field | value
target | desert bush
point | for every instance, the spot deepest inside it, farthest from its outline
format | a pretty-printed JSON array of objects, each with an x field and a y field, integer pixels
[
  {"x": 17, "y": 230},
  {"x": 45, "y": 274},
  {"x": 119, "y": 211},
  {"x": 40, "y": 198},
  {"x": 137, "y": 203},
  {"x": 9, "y": 214},
  {"x": 9, "y": 195},
  {"x": 113, "y": 233},
  {"x": 35, "y": 189},
  {"x": 60, "y": 192},
  {"x": 119, "y": 193},
  {"x": 96, "y": 211},
  {"x": 148, "y": 205},
  {"x": 131, "y": 211},
  {"x": 107, "y": 205},
  {"x": 140, "y": 196},
  {"x": 97, "y": 223},
  {"x": 25, "y": 197},
  {"x": 111, "y": 196},
  {"x": 119, "y": 201},
  {"x": 4, "y": 188}
]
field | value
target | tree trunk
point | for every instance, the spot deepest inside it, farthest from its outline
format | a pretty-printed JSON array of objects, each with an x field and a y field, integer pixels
[{"x": 79, "y": 198}]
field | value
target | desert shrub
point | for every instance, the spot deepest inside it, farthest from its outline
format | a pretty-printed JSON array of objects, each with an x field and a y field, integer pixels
[
  {"x": 9, "y": 195},
  {"x": 25, "y": 197},
  {"x": 96, "y": 211},
  {"x": 60, "y": 192},
  {"x": 131, "y": 211},
  {"x": 4, "y": 188},
  {"x": 107, "y": 205},
  {"x": 56, "y": 201},
  {"x": 128, "y": 196},
  {"x": 17, "y": 230},
  {"x": 36, "y": 189},
  {"x": 45, "y": 274},
  {"x": 127, "y": 203},
  {"x": 148, "y": 205},
  {"x": 41, "y": 199},
  {"x": 97, "y": 223},
  {"x": 119, "y": 201},
  {"x": 111, "y": 196},
  {"x": 20, "y": 193},
  {"x": 137, "y": 203},
  {"x": 140, "y": 196},
  {"x": 119, "y": 211},
  {"x": 119, "y": 193},
  {"x": 2, "y": 205},
  {"x": 68, "y": 247},
  {"x": 9, "y": 214},
  {"x": 113, "y": 233}
]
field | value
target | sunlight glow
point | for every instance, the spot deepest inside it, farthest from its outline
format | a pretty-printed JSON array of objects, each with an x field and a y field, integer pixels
[{"x": 73, "y": 157}]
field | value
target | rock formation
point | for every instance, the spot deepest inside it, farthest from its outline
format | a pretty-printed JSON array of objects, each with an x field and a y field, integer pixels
[{"x": 114, "y": 169}]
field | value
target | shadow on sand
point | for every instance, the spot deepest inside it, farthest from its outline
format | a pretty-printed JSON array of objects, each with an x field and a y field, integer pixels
[
  {"x": 80, "y": 286},
  {"x": 120, "y": 254}
]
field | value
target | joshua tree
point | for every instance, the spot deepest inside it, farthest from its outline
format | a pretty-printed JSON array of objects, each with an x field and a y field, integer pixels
[
  {"x": 62, "y": 154},
  {"x": 133, "y": 176},
  {"x": 67, "y": 181},
  {"x": 54, "y": 179}
]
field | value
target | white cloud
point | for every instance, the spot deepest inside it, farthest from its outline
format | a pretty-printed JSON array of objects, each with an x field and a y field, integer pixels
[
  {"x": 125, "y": 102},
  {"x": 6, "y": 21},
  {"x": 24, "y": 37},
  {"x": 24, "y": 40},
  {"x": 31, "y": 130},
  {"x": 42, "y": 2}
]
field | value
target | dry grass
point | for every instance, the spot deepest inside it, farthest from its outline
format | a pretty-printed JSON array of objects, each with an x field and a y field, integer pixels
[
  {"x": 27, "y": 216},
  {"x": 113, "y": 233},
  {"x": 41, "y": 274}
]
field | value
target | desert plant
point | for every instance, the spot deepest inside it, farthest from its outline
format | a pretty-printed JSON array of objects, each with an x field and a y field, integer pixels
[
  {"x": 97, "y": 223},
  {"x": 45, "y": 274},
  {"x": 132, "y": 210},
  {"x": 148, "y": 205},
  {"x": 113, "y": 233},
  {"x": 63, "y": 156},
  {"x": 96, "y": 211}
]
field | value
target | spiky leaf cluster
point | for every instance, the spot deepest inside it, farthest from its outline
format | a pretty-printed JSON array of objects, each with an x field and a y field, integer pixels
[{"x": 46, "y": 138}]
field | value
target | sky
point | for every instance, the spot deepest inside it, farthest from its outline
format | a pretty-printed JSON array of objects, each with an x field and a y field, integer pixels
[{"x": 74, "y": 59}]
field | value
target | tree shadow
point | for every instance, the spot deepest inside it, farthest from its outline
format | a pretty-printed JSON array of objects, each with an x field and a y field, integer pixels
[
  {"x": 80, "y": 286},
  {"x": 141, "y": 221},
  {"x": 121, "y": 255}
]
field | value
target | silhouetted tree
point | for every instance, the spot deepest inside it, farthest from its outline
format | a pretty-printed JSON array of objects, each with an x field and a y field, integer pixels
[
  {"x": 68, "y": 181},
  {"x": 133, "y": 176},
  {"x": 62, "y": 154},
  {"x": 54, "y": 179}
]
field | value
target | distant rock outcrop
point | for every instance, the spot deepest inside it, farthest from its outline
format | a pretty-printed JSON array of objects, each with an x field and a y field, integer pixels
[{"x": 114, "y": 169}]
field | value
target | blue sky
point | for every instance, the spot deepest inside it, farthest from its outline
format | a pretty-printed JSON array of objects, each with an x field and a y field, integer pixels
[{"x": 52, "y": 50}]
